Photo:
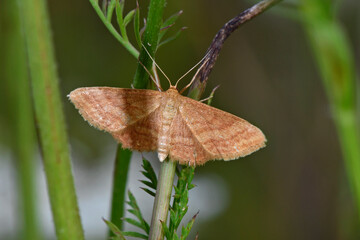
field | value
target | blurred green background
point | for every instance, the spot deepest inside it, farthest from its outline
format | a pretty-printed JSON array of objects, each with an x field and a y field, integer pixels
[{"x": 295, "y": 188}]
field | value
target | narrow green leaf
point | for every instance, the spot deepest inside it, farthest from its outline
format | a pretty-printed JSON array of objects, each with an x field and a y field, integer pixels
[
  {"x": 129, "y": 17},
  {"x": 149, "y": 176},
  {"x": 110, "y": 10},
  {"x": 171, "y": 20},
  {"x": 167, "y": 233},
  {"x": 135, "y": 234},
  {"x": 136, "y": 212},
  {"x": 104, "y": 7},
  {"x": 132, "y": 199},
  {"x": 137, "y": 25},
  {"x": 133, "y": 222},
  {"x": 133, "y": 51},
  {"x": 168, "y": 23},
  {"x": 148, "y": 167},
  {"x": 173, "y": 216},
  {"x": 149, "y": 171},
  {"x": 149, "y": 192},
  {"x": 186, "y": 230},
  {"x": 146, "y": 227},
  {"x": 179, "y": 206},
  {"x": 114, "y": 229},
  {"x": 172, "y": 38},
  {"x": 120, "y": 20},
  {"x": 121, "y": 6},
  {"x": 149, "y": 184}
]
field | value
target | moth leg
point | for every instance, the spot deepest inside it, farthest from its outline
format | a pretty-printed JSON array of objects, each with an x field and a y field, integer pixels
[
  {"x": 157, "y": 83},
  {"x": 206, "y": 99},
  {"x": 210, "y": 96},
  {"x": 157, "y": 80}
]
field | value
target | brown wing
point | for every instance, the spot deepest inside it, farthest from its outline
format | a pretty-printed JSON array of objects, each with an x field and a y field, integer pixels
[
  {"x": 184, "y": 147},
  {"x": 142, "y": 135},
  {"x": 221, "y": 134},
  {"x": 128, "y": 114}
]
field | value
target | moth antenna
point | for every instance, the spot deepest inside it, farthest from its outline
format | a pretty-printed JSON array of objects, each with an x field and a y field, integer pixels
[
  {"x": 156, "y": 77},
  {"x": 156, "y": 64},
  {"x": 152, "y": 78},
  {"x": 192, "y": 69},
  {"x": 193, "y": 79}
]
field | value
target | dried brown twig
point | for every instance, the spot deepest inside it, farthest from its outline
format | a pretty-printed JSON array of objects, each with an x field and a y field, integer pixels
[{"x": 213, "y": 51}]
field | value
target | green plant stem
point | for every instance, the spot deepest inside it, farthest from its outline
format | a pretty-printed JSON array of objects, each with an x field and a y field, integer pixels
[
  {"x": 121, "y": 167},
  {"x": 349, "y": 139},
  {"x": 112, "y": 30},
  {"x": 150, "y": 40},
  {"x": 50, "y": 119},
  {"x": 167, "y": 172},
  {"x": 140, "y": 81},
  {"x": 336, "y": 64},
  {"x": 162, "y": 199},
  {"x": 18, "y": 89}
]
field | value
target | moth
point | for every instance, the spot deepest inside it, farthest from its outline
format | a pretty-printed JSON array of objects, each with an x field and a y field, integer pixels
[
  {"x": 186, "y": 130},
  {"x": 178, "y": 127}
]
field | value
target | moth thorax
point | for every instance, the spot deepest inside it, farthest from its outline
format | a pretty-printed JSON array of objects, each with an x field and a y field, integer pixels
[{"x": 168, "y": 115}]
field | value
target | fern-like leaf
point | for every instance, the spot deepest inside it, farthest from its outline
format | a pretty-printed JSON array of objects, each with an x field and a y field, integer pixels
[
  {"x": 135, "y": 234},
  {"x": 133, "y": 222},
  {"x": 149, "y": 173},
  {"x": 179, "y": 207},
  {"x": 135, "y": 210},
  {"x": 151, "y": 193},
  {"x": 114, "y": 229}
]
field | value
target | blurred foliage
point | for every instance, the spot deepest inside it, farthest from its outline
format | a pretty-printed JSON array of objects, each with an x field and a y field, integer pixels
[
  {"x": 335, "y": 60},
  {"x": 20, "y": 114},
  {"x": 50, "y": 119},
  {"x": 296, "y": 187}
]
